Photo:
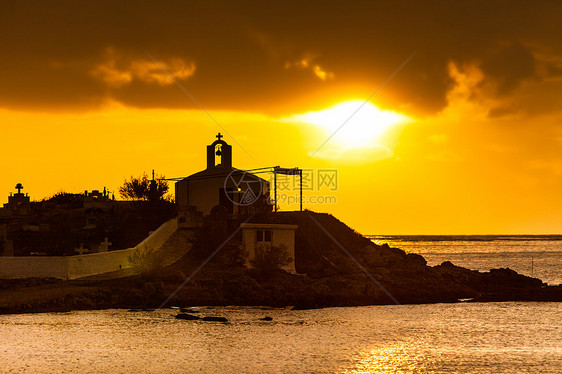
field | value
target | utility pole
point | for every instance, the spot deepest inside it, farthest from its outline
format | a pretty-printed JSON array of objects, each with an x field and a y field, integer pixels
[
  {"x": 300, "y": 174},
  {"x": 287, "y": 171},
  {"x": 275, "y": 187}
]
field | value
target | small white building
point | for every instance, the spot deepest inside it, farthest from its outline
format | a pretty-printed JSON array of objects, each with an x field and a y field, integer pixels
[{"x": 258, "y": 238}]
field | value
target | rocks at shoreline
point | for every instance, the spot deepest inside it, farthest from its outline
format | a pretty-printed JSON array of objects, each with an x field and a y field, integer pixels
[
  {"x": 443, "y": 283},
  {"x": 190, "y": 317}
]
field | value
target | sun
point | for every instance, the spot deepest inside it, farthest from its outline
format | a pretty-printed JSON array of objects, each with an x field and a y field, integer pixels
[{"x": 360, "y": 123}]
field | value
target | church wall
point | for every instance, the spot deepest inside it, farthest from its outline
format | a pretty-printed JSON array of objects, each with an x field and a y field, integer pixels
[
  {"x": 73, "y": 267},
  {"x": 181, "y": 193},
  {"x": 204, "y": 193}
]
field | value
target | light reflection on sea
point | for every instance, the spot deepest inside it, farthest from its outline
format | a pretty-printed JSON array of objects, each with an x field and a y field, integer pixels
[{"x": 467, "y": 337}]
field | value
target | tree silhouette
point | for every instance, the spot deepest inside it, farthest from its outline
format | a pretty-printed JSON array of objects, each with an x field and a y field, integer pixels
[{"x": 141, "y": 188}]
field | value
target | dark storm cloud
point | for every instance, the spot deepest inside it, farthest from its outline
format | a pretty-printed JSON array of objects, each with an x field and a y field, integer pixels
[
  {"x": 508, "y": 66},
  {"x": 267, "y": 57}
]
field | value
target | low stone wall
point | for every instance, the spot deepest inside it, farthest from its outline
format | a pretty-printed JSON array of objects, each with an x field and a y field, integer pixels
[
  {"x": 30, "y": 267},
  {"x": 74, "y": 267},
  {"x": 98, "y": 263},
  {"x": 157, "y": 238}
]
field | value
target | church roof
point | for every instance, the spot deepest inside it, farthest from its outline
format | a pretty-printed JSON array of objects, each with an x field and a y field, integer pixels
[{"x": 221, "y": 172}]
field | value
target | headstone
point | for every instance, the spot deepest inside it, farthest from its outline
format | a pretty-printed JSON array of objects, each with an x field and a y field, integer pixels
[
  {"x": 81, "y": 250},
  {"x": 104, "y": 246}
]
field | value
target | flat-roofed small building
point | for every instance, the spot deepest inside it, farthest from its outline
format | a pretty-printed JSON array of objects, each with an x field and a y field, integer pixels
[{"x": 265, "y": 241}]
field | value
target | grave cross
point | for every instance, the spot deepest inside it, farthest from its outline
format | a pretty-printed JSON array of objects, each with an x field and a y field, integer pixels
[
  {"x": 104, "y": 246},
  {"x": 81, "y": 250}
]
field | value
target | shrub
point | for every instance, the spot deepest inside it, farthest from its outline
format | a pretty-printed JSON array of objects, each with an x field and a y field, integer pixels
[
  {"x": 145, "y": 259},
  {"x": 141, "y": 188},
  {"x": 270, "y": 258}
]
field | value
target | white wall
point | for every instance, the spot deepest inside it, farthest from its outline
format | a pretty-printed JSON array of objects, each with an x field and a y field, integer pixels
[
  {"x": 282, "y": 236},
  {"x": 28, "y": 267},
  {"x": 97, "y": 263},
  {"x": 73, "y": 267}
]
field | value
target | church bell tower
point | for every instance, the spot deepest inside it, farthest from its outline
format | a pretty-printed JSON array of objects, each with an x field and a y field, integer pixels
[{"x": 219, "y": 154}]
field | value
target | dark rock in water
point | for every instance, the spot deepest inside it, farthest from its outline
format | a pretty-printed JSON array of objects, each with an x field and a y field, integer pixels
[
  {"x": 186, "y": 316},
  {"x": 214, "y": 319},
  {"x": 266, "y": 319}
]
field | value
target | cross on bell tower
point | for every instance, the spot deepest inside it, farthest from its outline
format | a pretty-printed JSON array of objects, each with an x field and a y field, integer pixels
[
  {"x": 19, "y": 187},
  {"x": 219, "y": 151}
]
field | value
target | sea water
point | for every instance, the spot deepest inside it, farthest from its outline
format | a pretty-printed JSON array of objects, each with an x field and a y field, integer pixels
[
  {"x": 511, "y": 337},
  {"x": 539, "y": 256}
]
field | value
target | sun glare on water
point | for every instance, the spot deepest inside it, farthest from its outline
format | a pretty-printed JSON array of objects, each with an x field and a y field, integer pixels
[{"x": 361, "y": 123}]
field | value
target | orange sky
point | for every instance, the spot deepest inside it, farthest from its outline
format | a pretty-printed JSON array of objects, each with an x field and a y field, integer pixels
[{"x": 478, "y": 148}]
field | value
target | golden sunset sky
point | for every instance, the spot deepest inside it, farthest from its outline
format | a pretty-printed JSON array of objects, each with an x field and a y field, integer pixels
[{"x": 466, "y": 138}]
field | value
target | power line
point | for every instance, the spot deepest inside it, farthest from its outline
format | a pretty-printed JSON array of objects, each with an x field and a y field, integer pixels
[{"x": 232, "y": 172}]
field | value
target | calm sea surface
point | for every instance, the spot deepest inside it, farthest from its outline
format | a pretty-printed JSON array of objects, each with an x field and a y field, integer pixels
[
  {"x": 469, "y": 337},
  {"x": 539, "y": 256},
  {"x": 512, "y": 337}
]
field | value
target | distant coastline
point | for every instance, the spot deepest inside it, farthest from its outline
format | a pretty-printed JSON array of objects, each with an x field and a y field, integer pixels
[{"x": 469, "y": 237}]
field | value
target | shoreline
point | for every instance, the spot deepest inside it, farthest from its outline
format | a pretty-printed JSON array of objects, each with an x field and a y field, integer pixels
[{"x": 245, "y": 288}]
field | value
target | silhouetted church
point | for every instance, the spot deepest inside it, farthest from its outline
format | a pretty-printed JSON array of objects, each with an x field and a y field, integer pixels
[{"x": 221, "y": 188}]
